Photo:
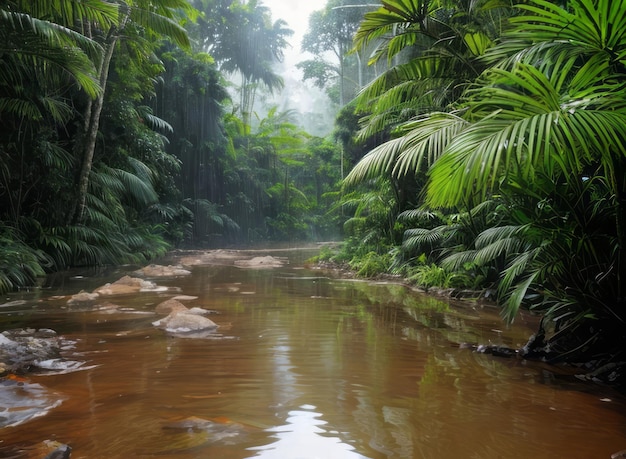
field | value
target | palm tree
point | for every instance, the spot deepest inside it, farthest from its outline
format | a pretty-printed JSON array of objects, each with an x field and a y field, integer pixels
[
  {"x": 248, "y": 42},
  {"x": 433, "y": 49},
  {"x": 547, "y": 128},
  {"x": 543, "y": 129}
]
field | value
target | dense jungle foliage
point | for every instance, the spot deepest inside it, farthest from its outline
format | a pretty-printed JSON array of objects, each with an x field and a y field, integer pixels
[
  {"x": 503, "y": 165},
  {"x": 479, "y": 145},
  {"x": 119, "y": 137}
]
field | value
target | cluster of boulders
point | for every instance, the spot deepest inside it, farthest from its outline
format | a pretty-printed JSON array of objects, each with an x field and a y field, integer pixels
[
  {"x": 122, "y": 286},
  {"x": 27, "y": 350},
  {"x": 24, "y": 349}
]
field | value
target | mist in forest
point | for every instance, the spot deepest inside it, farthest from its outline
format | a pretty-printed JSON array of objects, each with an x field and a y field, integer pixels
[{"x": 315, "y": 110}]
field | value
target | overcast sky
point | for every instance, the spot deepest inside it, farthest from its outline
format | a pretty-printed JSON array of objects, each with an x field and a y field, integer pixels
[{"x": 296, "y": 13}]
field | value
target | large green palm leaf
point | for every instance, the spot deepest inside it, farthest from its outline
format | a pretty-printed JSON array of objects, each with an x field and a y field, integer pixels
[
  {"x": 395, "y": 25},
  {"x": 71, "y": 12},
  {"x": 524, "y": 125},
  {"x": 422, "y": 85},
  {"x": 444, "y": 44},
  {"x": 545, "y": 32},
  {"x": 161, "y": 17},
  {"x": 424, "y": 140},
  {"x": 36, "y": 48}
]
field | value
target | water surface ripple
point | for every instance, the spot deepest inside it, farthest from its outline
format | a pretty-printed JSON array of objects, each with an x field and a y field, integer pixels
[{"x": 304, "y": 366}]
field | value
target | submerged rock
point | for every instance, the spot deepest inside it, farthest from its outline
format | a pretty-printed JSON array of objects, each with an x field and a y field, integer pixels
[
  {"x": 261, "y": 262},
  {"x": 218, "y": 430},
  {"x": 190, "y": 435},
  {"x": 173, "y": 305},
  {"x": 185, "y": 297},
  {"x": 49, "y": 449},
  {"x": 211, "y": 257},
  {"x": 162, "y": 271},
  {"x": 82, "y": 299},
  {"x": 61, "y": 366},
  {"x": 26, "y": 350},
  {"x": 169, "y": 306},
  {"x": 21, "y": 348}
]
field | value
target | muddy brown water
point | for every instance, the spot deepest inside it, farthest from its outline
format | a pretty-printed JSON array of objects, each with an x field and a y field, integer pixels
[{"x": 304, "y": 365}]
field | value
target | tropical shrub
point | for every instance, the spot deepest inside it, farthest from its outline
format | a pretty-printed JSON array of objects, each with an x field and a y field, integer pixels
[{"x": 540, "y": 129}]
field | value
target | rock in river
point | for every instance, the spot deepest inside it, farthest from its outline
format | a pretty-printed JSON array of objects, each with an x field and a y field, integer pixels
[
  {"x": 261, "y": 262},
  {"x": 83, "y": 299},
  {"x": 26, "y": 350},
  {"x": 162, "y": 271},
  {"x": 126, "y": 285},
  {"x": 169, "y": 306},
  {"x": 21, "y": 348},
  {"x": 48, "y": 449},
  {"x": 182, "y": 322}
]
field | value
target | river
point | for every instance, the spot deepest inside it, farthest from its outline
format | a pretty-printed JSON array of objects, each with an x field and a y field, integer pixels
[{"x": 303, "y": 365}]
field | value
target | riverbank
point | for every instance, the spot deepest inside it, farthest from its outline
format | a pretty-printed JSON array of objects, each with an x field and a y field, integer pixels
[{"x": 603, "y": 370}]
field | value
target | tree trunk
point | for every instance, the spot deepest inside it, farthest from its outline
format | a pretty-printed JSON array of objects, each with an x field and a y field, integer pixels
[
  {"x": 92, "y": 123},
  {"x": 92, "y": 119}
]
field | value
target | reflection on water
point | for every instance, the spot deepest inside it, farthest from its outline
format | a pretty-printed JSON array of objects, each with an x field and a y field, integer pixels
[
  {"x": 304, "y": 366},
  {"x": 26, "y": 400},
  {"x": 303, "y": 436}
]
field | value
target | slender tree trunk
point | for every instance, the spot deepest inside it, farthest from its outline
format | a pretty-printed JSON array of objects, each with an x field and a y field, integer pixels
[
  {"x": 92, "y": 123},
  {"x": 245, "y": 101},
  {"x": 92, "y": 120}
]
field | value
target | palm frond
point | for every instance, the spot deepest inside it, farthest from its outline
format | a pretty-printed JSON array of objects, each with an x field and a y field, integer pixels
[
  {"x": 20, "y": 264},
  {"x": 154, "y": 122},
  {"x": 523, "y": 127},
  {"x": 71, "y": 12},
  {"x": 395, "y": 25},
  {"x": 377, "y": 163},
  {"x": 137, "y": 185},
  {"x": 424, "y": 140},
  {"x": 162, "y": 17}
]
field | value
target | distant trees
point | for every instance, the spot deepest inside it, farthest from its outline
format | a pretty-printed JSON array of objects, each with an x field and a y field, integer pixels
[
  {"x": 242, "y": 183},
  {"x": 242, "y": 39},
  {"x": 329, "y": 38},
  {"x": 190, "y": 97}
]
